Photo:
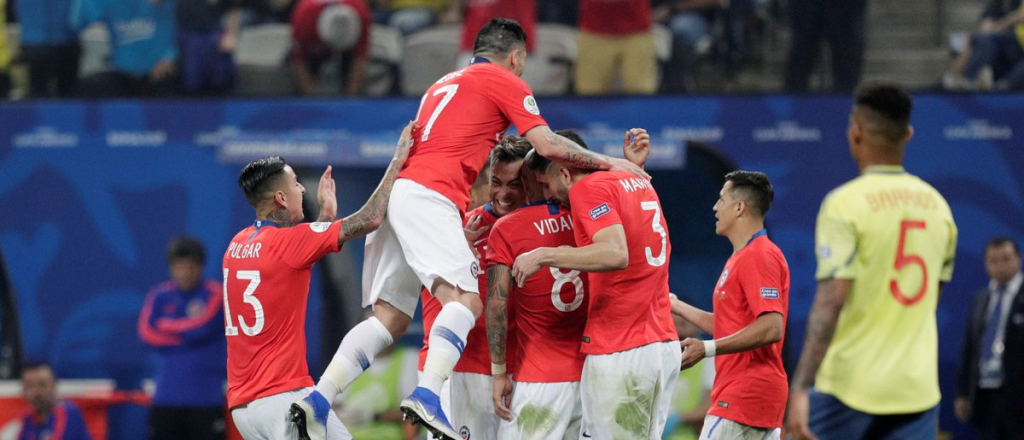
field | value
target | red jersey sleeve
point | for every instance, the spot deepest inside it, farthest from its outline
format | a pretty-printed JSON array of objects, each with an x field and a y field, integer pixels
[
  {"x": 306, "y": 243},
  {"x": 762, "y": 280},
  {"x": 499, "y": 251},
  {"x": 594, "y": 206},
  {"x": 515, "y": 100}
]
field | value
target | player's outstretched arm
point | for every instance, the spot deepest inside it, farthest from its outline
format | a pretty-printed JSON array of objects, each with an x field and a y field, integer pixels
[
  {"x": 766, "y": 329},
  {"x": 607, "y": 253},
  {"x": 821, "y": 326},
  {"x": 368, "y": 218},
  {"x": 568, "y": 153},
  {"x": 705, "y": 321},
  {"x": 499, "y": 281}
]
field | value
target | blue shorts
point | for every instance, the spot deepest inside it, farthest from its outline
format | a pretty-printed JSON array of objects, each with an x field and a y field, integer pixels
[{"x": 830, "y": 419}]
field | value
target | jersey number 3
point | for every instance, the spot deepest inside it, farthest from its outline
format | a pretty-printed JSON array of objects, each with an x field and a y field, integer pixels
[{"x": 249, "y": 296}]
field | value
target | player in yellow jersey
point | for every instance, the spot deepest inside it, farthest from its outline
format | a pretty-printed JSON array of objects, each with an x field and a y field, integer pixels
[{"x": 885, "y": 245}]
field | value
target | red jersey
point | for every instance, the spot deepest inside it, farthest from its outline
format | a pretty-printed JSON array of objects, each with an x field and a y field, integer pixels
[
  {"x": 628, "y": 308},
  {"x": 750, "y": 386},
  {"x": 479, "y": 12},
  {"x": 306, "y": 41},
  {"x": 476, "y": 357},
  {"x": 551, "y": 308},
  {"x": 615, "y": 17},
  {"x": 463, "y": 115},
  {"x": 266, "y": 284}
]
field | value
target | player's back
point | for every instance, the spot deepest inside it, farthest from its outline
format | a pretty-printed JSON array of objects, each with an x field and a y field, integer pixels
[
  {"x": 266, "y": 284},
  {"x": 628, "y": 308},
  {"x": 460, "y": 119},
  {"x": 894, "y": 236},
  {"x": 551, "y": 307}
]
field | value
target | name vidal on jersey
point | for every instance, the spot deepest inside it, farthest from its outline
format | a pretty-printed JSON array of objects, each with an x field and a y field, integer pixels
[
  {"x": 238, "y": 250},
  {"x": 634, "y": 184},
  {"x": 553, "y": 225}
]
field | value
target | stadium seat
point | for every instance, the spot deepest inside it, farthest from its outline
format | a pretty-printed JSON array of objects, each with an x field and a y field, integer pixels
[
  {"x": 260, "y": 58},
  {"x": 549, "y": 71},
  {"x": 385, "y": 57},
  {"x": 429, "y": 55},
  {"x": 95, "y": 42}
]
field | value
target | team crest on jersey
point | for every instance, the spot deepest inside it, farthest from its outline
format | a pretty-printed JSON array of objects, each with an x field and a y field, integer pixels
[
  {"x": 721, "y": 279},
  {"x": 599, "y": 211},
  {"x": 530, "y": 105},
  {"x": 769, "y": 293},
  {"x": 319, "y": 227},
  {"x": 464, "y": 432},
  {"x": 474, "y": 269},
  {"x": 195, "y": 308}
]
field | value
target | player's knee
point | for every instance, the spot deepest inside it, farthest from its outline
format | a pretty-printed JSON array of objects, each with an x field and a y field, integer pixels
[
  {"x": 472, "y": 302},
  {"x": 394, "y": 320}
]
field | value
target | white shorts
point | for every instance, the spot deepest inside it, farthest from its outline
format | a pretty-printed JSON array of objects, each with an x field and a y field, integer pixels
[
  {"x": 628, "y": 394},
  {"x": 472, "y": 413},
  {"x": 420, "y": 241},
  {"x": 266, "y": 418},
  {"x": 544, "y": 411},
  {"x": 717, "y": 428}
]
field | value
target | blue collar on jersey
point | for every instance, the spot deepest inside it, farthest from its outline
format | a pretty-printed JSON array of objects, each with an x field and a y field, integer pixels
[
  {"x": 761, "y": 233},
  {"x": 490, "y": 209},
  {"x": 478, "y": 60},
  {"x": 258, "y": 224},
  {"x": 553, "y": 207}
]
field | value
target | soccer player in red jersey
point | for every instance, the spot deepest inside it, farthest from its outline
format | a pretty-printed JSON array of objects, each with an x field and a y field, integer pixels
[
  {"x": 267, "y": 270},
  {"x": 421, "y": 242},
  {"x": 632, "y": 358},
  {"x": 751, "y": 302}
]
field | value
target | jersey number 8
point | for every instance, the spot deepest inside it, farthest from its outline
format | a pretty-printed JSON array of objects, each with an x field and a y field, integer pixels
[{"x": 561, "y": 279}]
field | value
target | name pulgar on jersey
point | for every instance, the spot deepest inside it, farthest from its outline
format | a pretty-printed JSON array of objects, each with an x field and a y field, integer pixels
[
  {"x": 628, "y": 308},
  {"x": 266, "y": 287},
  {"x": 461, "y": 117},
  {"x": 551, "y": 308}
]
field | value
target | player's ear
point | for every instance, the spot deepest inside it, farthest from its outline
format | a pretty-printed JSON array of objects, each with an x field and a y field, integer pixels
[{"x": 279, "y": 198}]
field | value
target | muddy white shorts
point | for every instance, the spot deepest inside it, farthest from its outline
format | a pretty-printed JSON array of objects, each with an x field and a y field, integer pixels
[
  {"x": 472, "y": 413},
  {"x": 628, "y": 394},
  {"x": 717, "y": 428},
  {"x": 420, "y": 241},
  {"x": 266, "y": 418},
  {"x": 544, "y": 411}
]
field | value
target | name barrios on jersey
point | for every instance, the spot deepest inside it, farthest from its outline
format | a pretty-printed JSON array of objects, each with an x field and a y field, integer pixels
[{"x": 242, "y": 251}]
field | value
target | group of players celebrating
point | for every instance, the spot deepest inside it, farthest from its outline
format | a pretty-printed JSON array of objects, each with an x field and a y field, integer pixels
[{"x": 547, "y": 309}]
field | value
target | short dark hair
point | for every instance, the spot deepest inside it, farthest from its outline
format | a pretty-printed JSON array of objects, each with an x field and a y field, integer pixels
[
  {"x": 1002, "y": 240},
  {"x": 259, "y": 176},
  {"x": 755, "y": 187},
  {"x": 510, "y": 149},
  {"x": 889, "y": 106},
  {"x": 35, "y": 366},
  {"x": 537, "y": 163},
  {"x": 499, "y": 37},
  {"x": 186, "y": 248}
]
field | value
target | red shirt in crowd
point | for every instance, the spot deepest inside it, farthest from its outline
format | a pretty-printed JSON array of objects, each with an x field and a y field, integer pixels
[
  {"x": 306, "y": 44},
  {"x": 615, "y": 18}
]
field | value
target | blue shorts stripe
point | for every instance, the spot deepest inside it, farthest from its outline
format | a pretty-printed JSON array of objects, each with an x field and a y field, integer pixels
[{"x": 712, "y": 430}]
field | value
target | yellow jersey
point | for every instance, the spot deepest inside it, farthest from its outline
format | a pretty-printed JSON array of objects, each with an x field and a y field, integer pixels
[
  {"x": 893, "y": 235},
  {"x": 5, "y": 49}
]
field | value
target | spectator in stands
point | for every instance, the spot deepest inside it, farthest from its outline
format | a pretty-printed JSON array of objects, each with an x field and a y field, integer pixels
[
  {"x": 474, "y": 14},
  {"x": 409, "y": 16},
  {"x": 690, "y": 22},
  {"x": 369, "y": 407},
  {"x": 324, "y": 28},
  {"x": 49, "y": 46},
  {"x": 838, "y": 22},
  {"x": 615, "y": 37},
  {"x": 141, "y": 44},
  {"x": 183, "y": 320},
  {"x": 5, "y": 53},
  {"x": 49, "y": 417},
  {"x": 207, "y": 39},
  {"x": 991, "y": 375},
  {"x": 996, "y": 56}
]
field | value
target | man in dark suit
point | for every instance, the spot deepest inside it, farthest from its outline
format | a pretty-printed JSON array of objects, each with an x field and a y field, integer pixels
[{"x": 991, "y": 377}]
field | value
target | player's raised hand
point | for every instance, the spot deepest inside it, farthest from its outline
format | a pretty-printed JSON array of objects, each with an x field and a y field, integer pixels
[
  {"x": 636, "y": 146},
  {"x": 693, "y": 352},
  {"x": 796, "y": 416},
  {"x": 502, "y": 396},
  {"x": 629, "y": 167},
  {"x": 473, "y": 231},
  {"x": 526, "y": 265},
  {"x": 326, "y": 198}
]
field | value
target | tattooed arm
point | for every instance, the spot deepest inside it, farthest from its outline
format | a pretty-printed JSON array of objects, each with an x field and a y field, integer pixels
[
  {"x": 368, "y": 218},
  {"x": 821, "y": 326},
  {"x": 568, "y": 153},
  {"x": 499, "y": 281}
]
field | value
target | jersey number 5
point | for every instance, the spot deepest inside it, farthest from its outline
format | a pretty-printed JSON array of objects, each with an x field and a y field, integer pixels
[
  {"x": 249, "y": 296},
  {"x": 903, "y": 259}
]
